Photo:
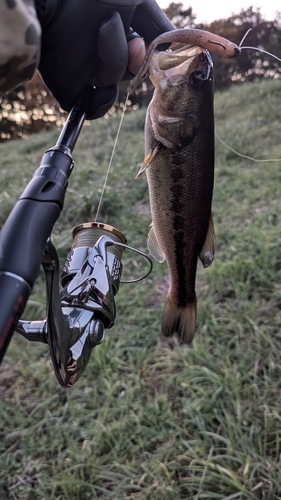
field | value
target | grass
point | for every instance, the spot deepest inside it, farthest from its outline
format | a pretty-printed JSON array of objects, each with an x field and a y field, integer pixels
[{"x": 151, "y": 420}]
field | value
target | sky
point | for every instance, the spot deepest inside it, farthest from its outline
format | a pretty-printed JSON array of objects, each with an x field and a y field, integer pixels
[{"x": 208, "y": 11}]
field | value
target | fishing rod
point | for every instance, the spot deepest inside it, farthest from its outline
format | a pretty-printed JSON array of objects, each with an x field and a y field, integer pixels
[{"x": 78, "y": 315}]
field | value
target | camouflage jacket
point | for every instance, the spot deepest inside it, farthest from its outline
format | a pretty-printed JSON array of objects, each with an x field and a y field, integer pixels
[{"x": 20, "y": 35}]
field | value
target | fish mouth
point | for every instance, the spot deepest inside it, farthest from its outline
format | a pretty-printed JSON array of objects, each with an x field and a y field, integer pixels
[{"x": 175, "y": 66}]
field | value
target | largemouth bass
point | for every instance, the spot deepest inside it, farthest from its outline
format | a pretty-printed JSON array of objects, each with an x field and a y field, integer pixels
[{"x": 179, "y": 164}]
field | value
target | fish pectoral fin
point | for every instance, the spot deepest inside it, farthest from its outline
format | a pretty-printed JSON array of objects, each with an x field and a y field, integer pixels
[
  {"x": 148, "y": 160},
  {"x": 208, "y": 250},
  {"x": 153, "y": 246}
]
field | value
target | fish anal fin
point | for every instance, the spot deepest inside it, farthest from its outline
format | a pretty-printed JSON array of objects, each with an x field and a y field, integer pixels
[
  {"x": 153, "y": 246},
  {"x": 148, "y": 160},
  {"x": 208, "y": 250},
  {"x": 181, "y": 321}
]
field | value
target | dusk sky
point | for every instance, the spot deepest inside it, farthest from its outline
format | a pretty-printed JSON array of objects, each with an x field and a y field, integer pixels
[{"x": 209, "y": 11}]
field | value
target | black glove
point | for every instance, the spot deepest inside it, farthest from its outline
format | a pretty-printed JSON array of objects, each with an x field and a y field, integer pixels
[{"x": 84, "y": 43}]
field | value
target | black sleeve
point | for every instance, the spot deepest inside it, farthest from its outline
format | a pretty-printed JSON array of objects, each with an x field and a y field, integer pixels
[{"x": 84, "y": 43}]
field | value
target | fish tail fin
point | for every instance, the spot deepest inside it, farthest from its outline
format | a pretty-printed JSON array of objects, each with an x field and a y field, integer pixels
[{"x": 179, "y": 320}]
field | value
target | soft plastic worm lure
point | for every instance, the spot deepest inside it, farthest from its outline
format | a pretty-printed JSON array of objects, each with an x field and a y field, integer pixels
[{"x": 209, "y": 41}]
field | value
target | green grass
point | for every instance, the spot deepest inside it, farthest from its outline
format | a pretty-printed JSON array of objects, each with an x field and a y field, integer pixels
[{"x": 151, "y": 420}]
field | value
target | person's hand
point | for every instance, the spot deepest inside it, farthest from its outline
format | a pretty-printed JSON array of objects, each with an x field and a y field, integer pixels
[{"x": 85, "y": 44}]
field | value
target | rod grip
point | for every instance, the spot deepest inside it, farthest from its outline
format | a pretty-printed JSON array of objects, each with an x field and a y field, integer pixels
[{"x": 14, "y": 293}]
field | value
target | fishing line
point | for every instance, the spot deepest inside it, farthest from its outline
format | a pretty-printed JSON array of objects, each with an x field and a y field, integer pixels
[
  {"x": 244, "y": 156},
  {"x": 218, "y": 137},
  {"x": 256, "y": 48},
  {"x": 263, "y": 51},
  {"x": 112, "y": 155},
  {"x": 245, "y": 36}
]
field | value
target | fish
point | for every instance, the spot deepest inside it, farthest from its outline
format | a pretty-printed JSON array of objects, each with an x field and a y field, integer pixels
[{"x": 179, "y": 165}]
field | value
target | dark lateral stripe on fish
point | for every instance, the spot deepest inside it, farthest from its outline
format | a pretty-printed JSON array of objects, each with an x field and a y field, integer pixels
[
  {"x": 184, "y": 294},
  {"x": 184, "y": 289},
  {"x": 176, "y": 202}
]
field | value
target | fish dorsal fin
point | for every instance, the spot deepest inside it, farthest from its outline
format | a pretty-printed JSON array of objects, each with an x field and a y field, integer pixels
[
  {"x": 148, "y": 160},
  {"x": 153, "y": 246},
  {"x": 208, "y": 250}
]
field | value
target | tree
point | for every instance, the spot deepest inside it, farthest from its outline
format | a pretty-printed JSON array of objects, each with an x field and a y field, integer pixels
[
  {"x": 252, "y": 64},
  {"x": 180, "y": 17},
  {"x": 42, "y": 112}
]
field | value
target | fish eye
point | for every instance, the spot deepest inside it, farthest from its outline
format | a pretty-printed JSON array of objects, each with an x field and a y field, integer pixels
[{"x": 197, "y": 80}]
